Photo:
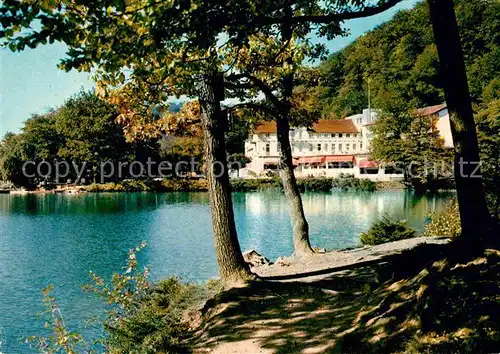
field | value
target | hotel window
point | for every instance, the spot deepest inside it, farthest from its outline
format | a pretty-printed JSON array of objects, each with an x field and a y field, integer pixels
[
  {"x": 268, "y": 135},
  {"x": 268, "y": 148},
  {"x": 348, "y": 135},
  {"x": 361, "y": 146},
  {"x": 354, "y": 147},
  {"x": 340, "y": 147},
  {"x": 333, "y": 135},
  {"x": 310, "y": 147},
  {"x": 340, "y": 135},
  {"x": 326, "y": 147},
  {"x": 347, "y": 146},
  {"x": 333, "y": 147},
  {"x": 319, "y": 147}
]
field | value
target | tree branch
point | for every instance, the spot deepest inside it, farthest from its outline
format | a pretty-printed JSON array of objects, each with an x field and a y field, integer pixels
[
  {"x": 261, "y": 85},
  {"x": 335, "y": 17},
  {"x": 254, "y": 106}
]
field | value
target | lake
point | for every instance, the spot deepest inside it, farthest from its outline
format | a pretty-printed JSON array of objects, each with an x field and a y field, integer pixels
[{"x": 57, "y": 239}]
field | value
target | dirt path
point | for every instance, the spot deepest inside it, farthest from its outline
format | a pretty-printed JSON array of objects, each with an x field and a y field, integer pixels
[
  {"x": 305, "y": 306},
  {"x": 323, "y": 264}
]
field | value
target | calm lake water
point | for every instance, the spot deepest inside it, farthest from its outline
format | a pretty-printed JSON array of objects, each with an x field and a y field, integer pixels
[{"x": 57, "y": 239}]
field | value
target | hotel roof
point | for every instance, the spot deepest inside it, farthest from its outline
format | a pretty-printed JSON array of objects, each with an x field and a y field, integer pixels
[
  {"x": 322, "y": 126},
  {"x": 429, "y": 111},
  {"x": 335, "y": 126},
  {"x": 266, "y": 128}
]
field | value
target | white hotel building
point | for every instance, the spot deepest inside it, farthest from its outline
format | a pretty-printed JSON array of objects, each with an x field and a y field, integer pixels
[
  {"x": 331, "y": 147},
  {"x": 328, "y": 148}
]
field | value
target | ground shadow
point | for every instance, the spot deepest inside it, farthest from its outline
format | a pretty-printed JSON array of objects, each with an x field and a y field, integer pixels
[{"x": 391, "y": 305}]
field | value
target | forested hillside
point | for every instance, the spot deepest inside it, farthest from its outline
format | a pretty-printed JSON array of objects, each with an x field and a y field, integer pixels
[{"x": 398, "y": 60}]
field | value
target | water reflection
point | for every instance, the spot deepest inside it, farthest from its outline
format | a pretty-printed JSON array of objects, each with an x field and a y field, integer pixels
[{"x": 93, "y": 203}]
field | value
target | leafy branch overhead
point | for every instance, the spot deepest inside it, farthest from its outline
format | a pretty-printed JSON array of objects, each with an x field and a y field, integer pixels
[{"x": 158, "y": 49}]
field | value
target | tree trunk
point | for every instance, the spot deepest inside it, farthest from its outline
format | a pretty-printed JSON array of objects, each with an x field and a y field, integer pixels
[
  {"x": 474, "y": 213},
  {"x": 301, "y": 244},
  {"x": 233, "y": 269}
]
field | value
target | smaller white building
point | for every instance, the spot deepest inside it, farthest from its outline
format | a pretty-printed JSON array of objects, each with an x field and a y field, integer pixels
[{"x": 443, "y": 121}]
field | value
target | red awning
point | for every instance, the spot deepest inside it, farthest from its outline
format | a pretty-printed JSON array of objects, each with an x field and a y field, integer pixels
[
  {"x": 367, "y": 164},
  {"x": 339, "y": 158},
  {"x": 311, "y": 159}
]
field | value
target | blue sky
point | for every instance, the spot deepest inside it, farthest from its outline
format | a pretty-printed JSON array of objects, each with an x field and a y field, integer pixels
[{"x": 31, "y": 82}]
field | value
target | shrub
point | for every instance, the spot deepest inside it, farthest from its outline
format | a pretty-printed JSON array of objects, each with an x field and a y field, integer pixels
[
  {"x": 315, "y": 184},
  {"x": 153, "y": 322},
  {"x": 344, "y": 182},
  {"x": 107, "y": 187},
  {"x": 445, "y": 223},
  {"x": 245, "y": 185},
  {"x": 123, "y": 186},
  {"x": 387, "y": 230},
  {"x": 181, "y": 185},
  {"x": 134, "y": 185},
  {"x": 238, "y": 184},
  {"x": 142, "y": 317},
  {"x": 347, "y": 182},
  {"x": 164, "y": 185}
]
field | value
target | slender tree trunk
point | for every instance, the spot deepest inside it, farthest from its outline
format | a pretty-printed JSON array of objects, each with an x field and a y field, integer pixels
[
  {"x": 474, "y": 213},
  {"x": 233, "y": 269},
  {"x": 301, "y": 244}
]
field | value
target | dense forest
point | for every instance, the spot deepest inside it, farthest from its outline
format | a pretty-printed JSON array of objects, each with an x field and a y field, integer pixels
[{"x": 398, "y": 61}]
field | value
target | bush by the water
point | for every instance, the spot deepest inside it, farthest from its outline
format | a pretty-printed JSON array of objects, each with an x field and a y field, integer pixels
[
  {"x": 123, "y": 186},
  {"x": 142, "y": 317},
  {"x": 445, "y": 223},
  {"x": 164, "y": 185},
  {"x": 344, "y": 182},
  {"x": 246, "y": 185},
  {"x": 350, "y": 182},
  {"x": 152, "y": 321},
  {"x": 314, "y": 184},
  {"x": 387, "y": 230}
]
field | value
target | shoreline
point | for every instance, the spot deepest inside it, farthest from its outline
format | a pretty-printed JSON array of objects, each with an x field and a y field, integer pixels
[
  {"x": 200, "y": 185},
  {"x": 238, "y": 185}
]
